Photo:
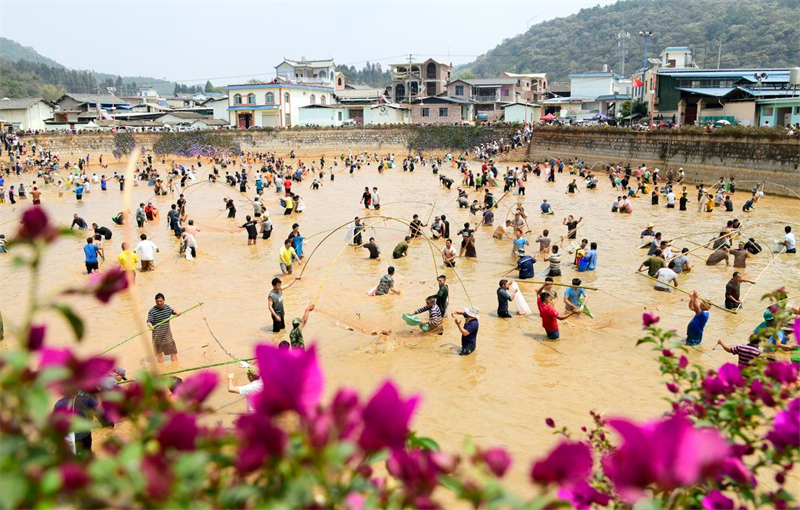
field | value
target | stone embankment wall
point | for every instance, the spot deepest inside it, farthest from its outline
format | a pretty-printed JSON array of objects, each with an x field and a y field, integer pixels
[{"x": 705, "y": 158}]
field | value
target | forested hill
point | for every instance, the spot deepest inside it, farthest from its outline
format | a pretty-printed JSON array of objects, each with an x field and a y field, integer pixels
[{"x": 761, "y": 33}]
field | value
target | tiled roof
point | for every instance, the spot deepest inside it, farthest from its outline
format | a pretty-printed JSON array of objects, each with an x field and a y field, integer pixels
[{"x": 18, "y": 104}]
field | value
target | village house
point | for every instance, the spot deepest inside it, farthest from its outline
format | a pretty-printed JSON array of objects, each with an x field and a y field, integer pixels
[
  {"x": 521, "y": 112},
  {"x": 441, "y": 110},
  {"x": 530, "y": 87},
  {"x": 418, "y": 79},
  {"x": 487, "y": 94},
  {"x": 273, "y": 105},
  {"x": 308, "y": 72},
  {"x": 24, "y": 114},
  {"x": 72, "y": 109}
]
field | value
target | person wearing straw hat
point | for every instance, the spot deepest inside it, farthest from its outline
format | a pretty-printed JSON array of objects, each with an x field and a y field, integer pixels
[{"x": 469, "y": 330}]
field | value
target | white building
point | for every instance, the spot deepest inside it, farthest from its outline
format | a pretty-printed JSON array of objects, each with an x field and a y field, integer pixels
[
  {"x": 273, "y": 105},
  {"x": 308, "y": 72},
  {"x": 219, "y": 106},
  {"x": 522, "y": 112},
  {"x": 677, "y": 57},
  {"x": 27, "y": 113}
]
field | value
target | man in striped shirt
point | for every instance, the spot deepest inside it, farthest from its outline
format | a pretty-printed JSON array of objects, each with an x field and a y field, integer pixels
[
  {"x": 746, "y": 353},
  {"x": 434, "y": 315}
]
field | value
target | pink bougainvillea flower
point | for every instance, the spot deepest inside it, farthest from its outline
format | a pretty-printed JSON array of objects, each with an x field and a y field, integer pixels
[
  {"x": 669, "y": 453},
  {"x": 496, "y": 459},
  {"x": 673, "y": 388},
  {"x": 85, "y": 375},
  {"x": 108, "y": 283},
  {"x": 258, "y": 440},
  {"x": 683, "y": 361},
  {"x": 198, "y": 387},
  {"x": 292, "y": 380},
  {"x": 180, "y": 432},
  {"x": 158, "y": 477},
  {"x": 715, "y": 500},
  {"x": 417, "y": 469},
  {"x": 728, "y": 378},
  {"x": 649, "y": 318},
  {"x": 35, "y": 225},
  {"x": 797, "y": 330},
  {"x": 567, "y": 464},
  {"x": 73, "y": 477},
  {"x": 784, "y": 372},
  {"x": 786, "y": 427},
  {"x": 735, "y": 469},
  {"x": 319, "y": 430},
  {"x": 550, "y": 422},
  {"x": 346, "y": 411},
  {"x": 36, "y": 337},
  {"x": 582, "y": 496},
  {"x": 386, "y": 417},
  {"x": 354, "y": 501},
  {"x": 759, "y": 391}
]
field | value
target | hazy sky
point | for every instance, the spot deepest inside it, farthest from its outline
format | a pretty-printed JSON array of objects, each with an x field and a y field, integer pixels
[{"x": 230, "y": 42}]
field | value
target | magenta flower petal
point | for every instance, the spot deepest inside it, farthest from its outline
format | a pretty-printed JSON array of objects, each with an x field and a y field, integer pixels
[
  {"x": 36, "y": 337},
  {"x": 36, "y": 225},
  {"x": 354, "y": 501},
  {"x": 85, "y": 375},
  {"x": 669, "y": 453},
  {"x": 292, "y": 379},
  {"x": 550, "y": 423},
  {"x": 346, "y": 411},
  {"x": 784, "y": 372},
  {"x": 198, "y": 387},
  {"x": 180, "y": 432},
  {"x": 106, "y": 284},
  {"x": 417, "y": 469},
  {"x": 673, "y": 388},
  {"x": 735, "y": 469},
  {"x": 583, "y": 496},
  {"x": 52, "y": 357},
  {"x": 683, "y": 361},
  {"x": 386, "y": 418},
  {"x": 158, "y": 477},
  {"x": 648, "y": 319},
  {"x": 73, "y": 477},
  {"x": 259, "y": 439},
  {"x": 568, "y": 464},
  {"x": 497, "y": 460},
  {"x": 785, "y": 431},
  {"x": 715, "y": 500}
]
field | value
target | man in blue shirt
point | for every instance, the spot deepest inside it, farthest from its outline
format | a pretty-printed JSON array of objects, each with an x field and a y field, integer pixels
[
  {"x": 694, "y": 331},
  {"x": 91, "y": 250},
  {"x": 591, "y": 257},
  {"x": 574, "y": 297},
  {"x": 469, "y": 331},
  {"x": 525, "y": 267}
]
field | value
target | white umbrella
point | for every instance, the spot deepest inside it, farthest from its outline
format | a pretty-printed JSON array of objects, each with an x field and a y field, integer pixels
[{"x": 723, "y": 122}]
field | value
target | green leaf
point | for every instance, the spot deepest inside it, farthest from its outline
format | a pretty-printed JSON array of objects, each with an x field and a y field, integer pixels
[
  {"x": 425, "y": 443},
  {"x": 51, "y": 481},
  {"x": 12, "y": 489},
  {"x": 38, "y": 404},
  {"x": 74, "y": 321},
  {"x": 647, "y": 340},
  {"x": 378, "y": 456}
]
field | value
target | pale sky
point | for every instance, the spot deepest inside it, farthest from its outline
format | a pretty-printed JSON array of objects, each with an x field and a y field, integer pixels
[{"x": 230, "y": 42}]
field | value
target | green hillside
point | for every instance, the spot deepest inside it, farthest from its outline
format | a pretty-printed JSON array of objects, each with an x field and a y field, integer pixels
[
  {"x": 24, "y": 72},
  {"x": 14, "y": 52},
  {"x": 753, "y": 33}
]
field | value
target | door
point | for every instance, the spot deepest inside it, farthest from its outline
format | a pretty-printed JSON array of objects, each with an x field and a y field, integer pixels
[
  {"x": 690, "y": 115},
  {"x": 245, "y": 120}
]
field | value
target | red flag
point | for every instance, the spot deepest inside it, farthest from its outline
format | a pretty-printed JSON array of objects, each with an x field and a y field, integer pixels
[{"x": 637, "y": 83}]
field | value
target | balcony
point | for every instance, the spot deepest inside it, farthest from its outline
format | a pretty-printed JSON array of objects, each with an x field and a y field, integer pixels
[{"x": 491, "y": 98}]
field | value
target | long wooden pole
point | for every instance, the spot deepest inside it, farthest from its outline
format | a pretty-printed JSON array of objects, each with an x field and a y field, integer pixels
[
  {"x": 151, "y": 329},
  {"x": 557, "y": 284},
  {"x": 686, "y": 292}
]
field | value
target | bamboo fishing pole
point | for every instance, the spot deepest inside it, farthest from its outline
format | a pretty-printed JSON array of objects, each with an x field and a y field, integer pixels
[
  {"x": 201, "y": 367},
  {"x": 755, "y": 313},
  {"x": 741, "y": 302},
  {"x": 557, "y": 284},
  {"x": 686, "y": 292},
  {"x": 151, "y": 329}
]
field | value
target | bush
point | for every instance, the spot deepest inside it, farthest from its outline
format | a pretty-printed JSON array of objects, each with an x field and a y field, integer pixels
[{"x": 190, "y": 144}]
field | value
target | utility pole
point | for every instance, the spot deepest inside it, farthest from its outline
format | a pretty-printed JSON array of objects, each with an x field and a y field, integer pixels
[{"x": 622, "y": 45}]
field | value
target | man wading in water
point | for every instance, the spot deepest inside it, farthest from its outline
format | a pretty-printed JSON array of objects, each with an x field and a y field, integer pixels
[{"x": 163, "y": 343}]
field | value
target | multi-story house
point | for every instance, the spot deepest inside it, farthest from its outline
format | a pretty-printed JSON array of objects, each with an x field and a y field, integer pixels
[
  {"x": 307, "y": 72},
  {"x": 413, "y": 80},
  {"x": 275, "y": 104},
  {"x": 530, "y": 87},
  {"x": 487, "y": 94}
]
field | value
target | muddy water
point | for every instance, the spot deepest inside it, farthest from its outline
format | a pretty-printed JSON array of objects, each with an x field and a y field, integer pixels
[{"x": 502, "y": 394}]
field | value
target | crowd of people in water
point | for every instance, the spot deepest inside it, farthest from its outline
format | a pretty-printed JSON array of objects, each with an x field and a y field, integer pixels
[{"x": 271, "y": 182}]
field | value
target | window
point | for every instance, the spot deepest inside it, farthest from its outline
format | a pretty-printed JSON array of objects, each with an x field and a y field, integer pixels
[
  {"x": 251, "y": 99},
  {"x": 286, "y": 98},
  {"x": 322, "y": 100},
  {"x": 270, "y": 98},
  {"x": 237, "y": 99},
  {"x": 426, "y": 112},
  {"x": 504, "y": 91},
  {"x": 443, "y": 112},
  {"x": 313, "y": 99},
  {"x": 459, "y": 90},
  {"x": 430, "y": 71},
  {"x": 340, "y": 116},
  {"x": 339, "y": 81},
  {"x": 323, "y": 74}
]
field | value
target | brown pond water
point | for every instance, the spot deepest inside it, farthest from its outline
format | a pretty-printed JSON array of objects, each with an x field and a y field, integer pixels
[{"x": 502, "y": 393}]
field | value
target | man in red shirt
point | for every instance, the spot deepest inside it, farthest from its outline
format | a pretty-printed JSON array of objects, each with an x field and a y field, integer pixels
[
  {"x": 549, "y": 314},
  {"x": 287, "y": 185}
]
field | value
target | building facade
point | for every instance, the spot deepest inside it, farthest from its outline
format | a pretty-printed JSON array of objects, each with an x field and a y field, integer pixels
[
  {"x": 273, "y": 105},
  {"x": 24, "y": 114},
  {"x": 418, "y": 79},
  {"x": 308, "y": 72}
]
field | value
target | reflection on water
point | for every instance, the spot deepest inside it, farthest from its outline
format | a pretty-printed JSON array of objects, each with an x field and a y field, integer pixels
[{"x": 501, "y": 394}]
